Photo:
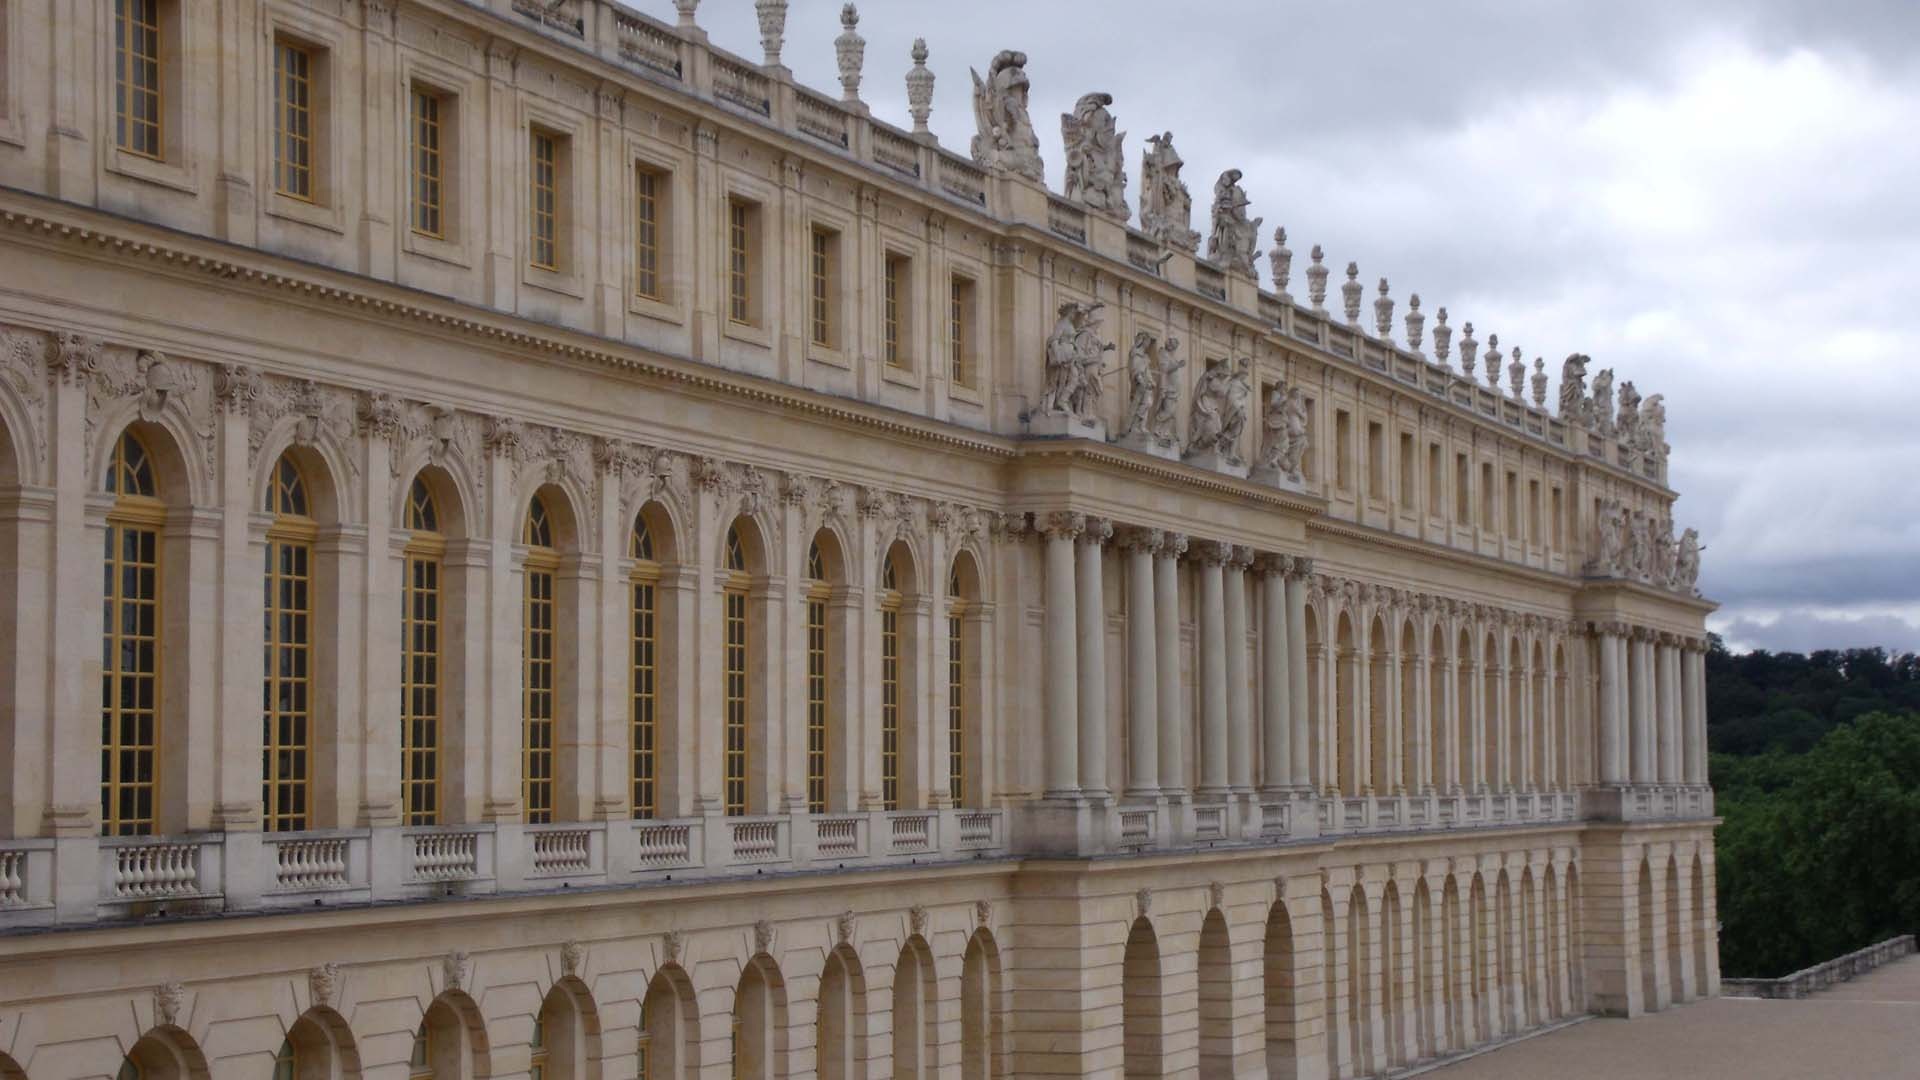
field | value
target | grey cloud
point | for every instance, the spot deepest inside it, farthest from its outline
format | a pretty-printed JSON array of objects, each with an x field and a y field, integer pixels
[{"x": 1799, "y": 631}]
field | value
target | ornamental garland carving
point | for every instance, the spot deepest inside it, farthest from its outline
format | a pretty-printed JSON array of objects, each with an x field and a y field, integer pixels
[{"x": 156, "y": 384}]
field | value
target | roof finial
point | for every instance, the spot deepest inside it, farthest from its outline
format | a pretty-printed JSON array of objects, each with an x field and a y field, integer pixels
[
  {"x": 773, "y": 28},
  {"x": 1416, "y": 322},
  {"x": 920, "y": 89},
  {"x": 1517, "y": 376},
  {"x": 1469, "y": 348},
  {"x": 1539, "y": 382},
  {"x": 686, "y": 9},
  {"x": 1317, "y": 282},
  {"x": 1281, "y": 261},
  {"x": 1492, "y": 361},
  {"x": 1350, "y": 292},
  {"x": 1383, "y": 314},
  {"x": 850, "y": 49}
]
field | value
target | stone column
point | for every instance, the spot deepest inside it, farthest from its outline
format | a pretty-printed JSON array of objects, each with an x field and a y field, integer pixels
[
  {"x": 1143, "y": 665},
  {"x": 1667, "y": 715},
  {"x": 1276, "y": 740},
  {"x": 1166, "y": 626},
  {"x": 1694, "y": 708},
  {"x": 1092, "y": 634},
  {"x": 1062, "y": 664},
  {"x": 1611, "y": 764},
  {"x": 1298, "y": 712},
  {"x": 1212, "y": 557},
  {"x": 1239, "y": 694},
  {"x": 1639, "y": 698}
]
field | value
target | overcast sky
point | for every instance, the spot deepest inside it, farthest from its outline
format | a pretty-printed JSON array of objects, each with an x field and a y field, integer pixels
[{"x": 1719, "y": 199}]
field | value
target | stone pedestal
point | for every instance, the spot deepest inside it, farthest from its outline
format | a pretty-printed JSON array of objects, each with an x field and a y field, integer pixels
[
  {"x": 1065, "y": 425},
  {"x": 1149, "y": 444},
  {"x": 1215, "y": 461},
  {"x": 1276, "y": 478}
]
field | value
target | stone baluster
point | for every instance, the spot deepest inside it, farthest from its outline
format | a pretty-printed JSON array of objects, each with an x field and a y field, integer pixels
[
  {"x": 1143, "y": 665},
  {"x": 1093, "y": 657},
  {"x": 1062, "y": 664}
]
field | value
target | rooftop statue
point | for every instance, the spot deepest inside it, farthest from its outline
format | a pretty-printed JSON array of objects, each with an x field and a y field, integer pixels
[
  {"x": 1166, "y": 206},
  {"x": 1686, "y": 563},
  {"x": 1653, "y": 428},
  {"x": 1602, "y": 418},
  {"x": 1573, "y": 389},
  {"x": 1006, "y": 137},
  {"x": 1235, "y": 239},
  {"x": 1096, "y": 169}
]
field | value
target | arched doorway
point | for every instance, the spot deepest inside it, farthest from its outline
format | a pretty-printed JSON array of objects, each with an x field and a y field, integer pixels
[
  {"x": 1216, "y": 998},
  {"x": 1140, "y": 1008}
]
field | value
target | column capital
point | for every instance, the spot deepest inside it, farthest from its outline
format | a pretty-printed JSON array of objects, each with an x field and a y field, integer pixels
[
  {"x": 1173, "y": 545},
  {"x": 1239, "y": 557},
  {"x": 1269, "y": 564},
  {"x": 1061, "y": 525},
  {"x": 1098, "y": 531},
  {"x": 1139, "y": 538},
  {"x": 1211, "y": 552},
  {"x": 1299, "y": 568}
]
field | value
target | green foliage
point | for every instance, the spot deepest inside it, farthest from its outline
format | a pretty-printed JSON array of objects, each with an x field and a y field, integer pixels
[
  {"x": 1816, "y": 775},
  {"x": 1819, "y": 853}
]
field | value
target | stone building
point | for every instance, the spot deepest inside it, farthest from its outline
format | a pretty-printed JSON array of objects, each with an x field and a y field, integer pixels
[{"x": 592, "y": 559}]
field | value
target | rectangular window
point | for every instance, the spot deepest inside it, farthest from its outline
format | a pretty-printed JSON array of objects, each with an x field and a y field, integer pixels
[
  {"x": 890, "y": 703},
  {"x": 1343, "y": 449},
  {"x": 1462, "y": 491},
  {"x": 1488, "y": 520},
  {"x": 817, "y": 702},
  {"x": 1376, "y": 461},
  {"x": 740, "y": 255},
  {"x": 896, "y": 318},
  {"x": 137, "y": 97},
  {"x": 1310, "y": 461},
  {"x": 1409, "y": 472},
  {"x": 293, "y": 78},
  {"x": 823, "y": 271},
  {"x": 649, "y": 206},
  {"x": 536, "y": 707},
  {"x": 130, "y": 681},
  {"x": 960, "y": 332},
  {"x": 645, "y": 694},
  {"x": 420, "y": 690},
  {"x": 428, "y": 192},
  {"x": 1559, "y": 519},
  {"x": 1435, "y": 478},
  {"x": 1533, "y": 511},
  {"x": 1513, "y": 506},
  {"x": 543, "y": 201},
  {"x": 288, "y": 666},
  {"x": 734, "y": 699}
]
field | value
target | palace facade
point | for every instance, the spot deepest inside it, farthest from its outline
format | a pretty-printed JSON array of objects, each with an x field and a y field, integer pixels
[{"x": 536, "y": 546}]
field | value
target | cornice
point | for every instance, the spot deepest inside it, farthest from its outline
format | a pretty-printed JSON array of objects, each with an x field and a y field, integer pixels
[
  {"x": 1122, "y": 460},
  {"x": 181, "y": 251},
  {"x": 1372, "y": 537}
]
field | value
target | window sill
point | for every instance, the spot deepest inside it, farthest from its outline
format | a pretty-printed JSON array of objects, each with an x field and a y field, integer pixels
[
  {"x": 553, "y": 281},
  {"x": 821, "y": 354},
  {"x": 316, "y": 215},
  {"x": 899, "y": 375},
  {"x": 969, "y": 395},
  {"x": 655, "y": 309},
  {"x": 438, "y": 249},
  {"x": 747, "y": 332},
  {"x": 148, "y": 170}
]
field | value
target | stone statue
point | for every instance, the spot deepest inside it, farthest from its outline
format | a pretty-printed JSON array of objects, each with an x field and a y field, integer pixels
[
  {"x": 1166, "y": 206},
  {"x": 1573, "y": 388},
  {"x": 1653, "y": 428},
  {"x": 1006, "y": 137},
  {"x": 1209, "y": 408},
  {"x": 1602, "y": 418},
  {"x": 1626, "y": 422},
  {"x": 1663, "y": 553},
  {"x": 1640, "y": 546},
  {"x": 1283, "y": 433},
  {"x": 1296, "y": 427},
  {"x": 1166, "y": 412},
  {"x": 1142, "y": 384},
  {"x": 1686, "y": 563},
  {"x": 1609, "y": 540},
  {"x": 1233, "y": 422},
  {"x": 1273, "y": 430},
  {"x": 1235, "y": 239},
  {"x": 1096, "y": 169},
  {"x": 1075, "y": 354}
]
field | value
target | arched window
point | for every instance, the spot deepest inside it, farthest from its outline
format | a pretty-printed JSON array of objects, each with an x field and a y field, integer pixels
[
  {"x": 734, "y": 672},
  {"x": 818, "y": 593},
  {"x": 420, "y": 605},
  {"x": 287, "y": 723},
  {"x": 286, "y": 1062},
  {"x": 537, "y": 1049},
  {"x": 645, "y": 687},
  {"x": 130, "y": 649},
  {"x": 537, "y": 664},
  {"x": 957, "y": 603},
  {"x": 889, "y": 686}
]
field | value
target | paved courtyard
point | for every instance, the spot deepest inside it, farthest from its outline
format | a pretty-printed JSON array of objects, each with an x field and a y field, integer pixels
[{"x": 1869, "y": 1027}]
